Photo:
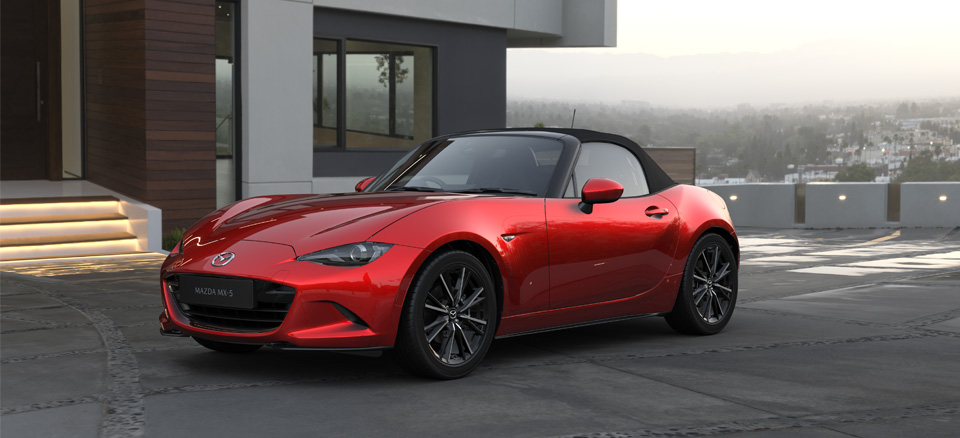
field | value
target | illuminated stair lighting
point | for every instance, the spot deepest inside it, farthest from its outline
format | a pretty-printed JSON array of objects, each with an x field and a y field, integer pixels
[{"x": 43, "y": 228}]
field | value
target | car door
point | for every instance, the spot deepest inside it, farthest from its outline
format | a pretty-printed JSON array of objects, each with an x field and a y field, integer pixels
[{"x": 621, "y": 249}]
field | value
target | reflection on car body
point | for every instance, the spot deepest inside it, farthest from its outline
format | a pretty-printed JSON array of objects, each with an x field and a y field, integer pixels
[{"x": 467, "y": 238}]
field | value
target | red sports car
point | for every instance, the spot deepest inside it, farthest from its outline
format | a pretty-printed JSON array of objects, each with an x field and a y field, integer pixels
[{"x": 467, "y": 238}]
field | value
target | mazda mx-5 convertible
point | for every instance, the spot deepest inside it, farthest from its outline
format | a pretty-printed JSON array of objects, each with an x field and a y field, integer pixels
[{"x": 467, "y": 238}]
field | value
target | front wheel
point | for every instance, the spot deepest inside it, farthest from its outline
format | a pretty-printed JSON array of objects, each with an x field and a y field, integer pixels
[
  {"x": 449, "y": 318},
  {"x": 227, "y": 347},
  {"x": 708, "y": 291}
]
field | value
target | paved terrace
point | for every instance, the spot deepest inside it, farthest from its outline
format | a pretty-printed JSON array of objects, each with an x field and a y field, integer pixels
[{"x": 837, "y": 333}]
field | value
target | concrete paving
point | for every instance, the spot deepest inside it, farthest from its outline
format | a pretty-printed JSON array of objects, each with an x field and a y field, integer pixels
[{"x": 837, "y": 333}]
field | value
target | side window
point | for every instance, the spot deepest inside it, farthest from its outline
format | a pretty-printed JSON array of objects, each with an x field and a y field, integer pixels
[{"x": 607, "y": 160}]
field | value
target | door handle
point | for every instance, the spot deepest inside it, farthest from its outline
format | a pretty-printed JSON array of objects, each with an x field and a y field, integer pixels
[{"x": 656, "y": 212}]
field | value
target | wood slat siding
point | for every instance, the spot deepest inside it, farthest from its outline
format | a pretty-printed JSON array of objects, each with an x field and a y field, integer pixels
[
  {"x": 114, "y": 109},
  {"x": 180, "y": 69},
  {"x": 150, "y": 103},
  {"x": 679, "y": 163}
]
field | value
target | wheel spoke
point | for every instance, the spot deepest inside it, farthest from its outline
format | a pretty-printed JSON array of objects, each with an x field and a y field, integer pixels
[
  {"x": 698, "y": 295},
  {"x": 725, "y": 289},
  {"x": 706, "y": 264},
  {"x": 716, "y": 260},
  {"x": 446, "y": 289},
  {"x": 435, "y": 308},
  {"x": 463, "y": 339},
  {"x": 461, "y": 284},
  {"x": 472, "y": 319},
  {"x": 702, "y": 308},
  {"x": 470, "y": 322},
  {"x": 435, "y": 300},
  {"x": 447, "y": 347},
  {"x": 472, "y": 300},
  {"x": 717, "y": 307},
  {"x": 442, "y": 322},
  {"x": 699, "y": 278},
  {"x": 724, "y": 270}
]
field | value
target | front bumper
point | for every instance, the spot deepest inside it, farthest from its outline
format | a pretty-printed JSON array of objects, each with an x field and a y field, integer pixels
[{"x": 332, "y": 308}]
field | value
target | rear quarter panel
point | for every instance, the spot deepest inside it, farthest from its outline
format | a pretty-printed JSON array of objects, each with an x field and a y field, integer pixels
[{"x": 700, "y": 211}]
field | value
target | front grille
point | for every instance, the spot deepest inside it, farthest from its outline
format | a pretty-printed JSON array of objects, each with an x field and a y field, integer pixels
[{"x": 273, "y": 301}]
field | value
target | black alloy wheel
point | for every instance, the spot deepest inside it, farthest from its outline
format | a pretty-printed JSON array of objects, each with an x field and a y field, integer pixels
[
  {"x": 708, "y": 292},
  {"x": 449, "y": 318},
  {"x": 227, "y": 347}
]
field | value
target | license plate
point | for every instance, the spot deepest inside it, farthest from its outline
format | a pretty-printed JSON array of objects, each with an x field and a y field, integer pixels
[{"x": 220, "y": 292}]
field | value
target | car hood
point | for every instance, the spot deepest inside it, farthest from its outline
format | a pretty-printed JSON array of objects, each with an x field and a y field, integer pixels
[{"x": 310, "y": 223}]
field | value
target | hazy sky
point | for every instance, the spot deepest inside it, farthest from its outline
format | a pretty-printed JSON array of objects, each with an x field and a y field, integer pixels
[
  {"x": 720, "y": 53},
  {"x": 691, "y": 27}
]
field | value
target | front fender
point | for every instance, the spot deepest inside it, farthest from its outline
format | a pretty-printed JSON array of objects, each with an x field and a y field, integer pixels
[{"x": 512, "y": 230}]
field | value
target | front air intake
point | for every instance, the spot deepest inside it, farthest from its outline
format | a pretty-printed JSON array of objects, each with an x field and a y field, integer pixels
[{"x": 271, "y": 302}]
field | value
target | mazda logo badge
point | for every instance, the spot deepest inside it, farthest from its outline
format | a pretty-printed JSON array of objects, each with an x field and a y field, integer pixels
[{"x": 222, "y": 259}]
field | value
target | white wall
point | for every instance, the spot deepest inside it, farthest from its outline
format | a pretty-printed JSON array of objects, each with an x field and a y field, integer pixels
[
  {"x": 583, "y": 23},
  {"x": 493, "y": 13},
  {"x": 276, "y": 82},
  {"x": 920, "y": 204},
  {"x": 530, "y": 23},
  {"x": 759, "y": 205},
  {"x": 864, "y": 205}
]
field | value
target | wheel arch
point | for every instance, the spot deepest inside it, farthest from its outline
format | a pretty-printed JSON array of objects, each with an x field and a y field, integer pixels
[
  {"x": 477, "y": 250},
  {"x": 727, "y": 236}
]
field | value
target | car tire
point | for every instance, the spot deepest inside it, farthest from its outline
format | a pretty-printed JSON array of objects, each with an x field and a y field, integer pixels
[
  {"x": 448, "y": 319},
  {"x": 227, "y": 347},
  {"x": 708, "y": 291}
]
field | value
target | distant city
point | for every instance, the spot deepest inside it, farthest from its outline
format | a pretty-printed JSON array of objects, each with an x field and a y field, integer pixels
[{"x": 891, "y": 141}]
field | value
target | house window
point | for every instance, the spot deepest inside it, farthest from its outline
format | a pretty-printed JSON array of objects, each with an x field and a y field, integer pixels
[
  {"x": 386, "y": 90},
  {"x": 227, "y": 70},
  {"x": 325, "y": 103}
]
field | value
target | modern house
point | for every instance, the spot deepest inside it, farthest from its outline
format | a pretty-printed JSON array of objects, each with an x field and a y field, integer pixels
[{"x": 187, "y": 105}]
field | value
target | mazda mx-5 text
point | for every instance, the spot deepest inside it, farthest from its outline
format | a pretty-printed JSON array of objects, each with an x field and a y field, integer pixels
[{"x": 467, "y": 238}]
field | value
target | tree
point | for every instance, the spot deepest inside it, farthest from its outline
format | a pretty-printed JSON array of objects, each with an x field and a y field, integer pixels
[
  {"x": 859, "y": 172},
  {"x": 923, "y": 168},
  {"x": 383, "y": 66}
]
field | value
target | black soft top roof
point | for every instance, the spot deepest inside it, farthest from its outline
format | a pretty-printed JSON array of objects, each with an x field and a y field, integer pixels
[{"x": 657, "y": 179}]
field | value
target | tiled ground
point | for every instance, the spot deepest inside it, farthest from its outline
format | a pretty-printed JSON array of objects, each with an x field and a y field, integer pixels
[{"x": 837, "y": 333}]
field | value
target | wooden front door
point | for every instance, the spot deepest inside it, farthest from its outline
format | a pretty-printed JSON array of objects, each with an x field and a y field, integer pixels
[{"x": 24, "y": 128}]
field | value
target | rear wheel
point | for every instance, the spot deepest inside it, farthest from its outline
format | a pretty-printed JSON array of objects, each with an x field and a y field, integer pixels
[
  {"x": 708, "y": 292},
  {"x": 227, "y": 347},
  {"x": 449, "y": 318}
]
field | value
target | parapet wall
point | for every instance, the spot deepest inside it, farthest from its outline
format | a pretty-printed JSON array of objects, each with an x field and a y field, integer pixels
[{"x": 843, "y": 205}]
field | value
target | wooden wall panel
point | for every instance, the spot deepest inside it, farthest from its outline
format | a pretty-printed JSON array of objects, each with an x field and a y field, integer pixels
[
  {"x": 180, "y": 91},
  {"x": 114, "y": 109},
  {"x": 150, "y": 103},
  {"x": 679, "y": 163}
]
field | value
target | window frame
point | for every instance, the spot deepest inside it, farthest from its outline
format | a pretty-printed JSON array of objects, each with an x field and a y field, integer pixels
[
  {"x": 341, "y": 128},
  {"x": 237, "y": 154},
  {"x": 576, "y": 185}
]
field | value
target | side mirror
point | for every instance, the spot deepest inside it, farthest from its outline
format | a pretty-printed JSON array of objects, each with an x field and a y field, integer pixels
[
  {"x": 364, "y": 183},
  {"x": 599, "y": 191}
]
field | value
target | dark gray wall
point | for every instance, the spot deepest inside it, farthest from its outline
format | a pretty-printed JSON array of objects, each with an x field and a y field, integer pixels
[{"x": 471, "y": 91}]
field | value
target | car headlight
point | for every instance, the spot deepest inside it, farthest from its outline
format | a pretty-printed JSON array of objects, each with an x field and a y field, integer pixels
[{"x": 354, "y": 254}]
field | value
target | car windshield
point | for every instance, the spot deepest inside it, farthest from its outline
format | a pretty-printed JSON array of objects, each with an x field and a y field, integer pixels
[{"x": 498, "y": 164}]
